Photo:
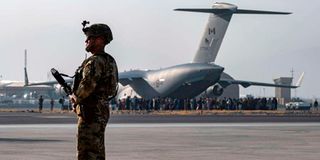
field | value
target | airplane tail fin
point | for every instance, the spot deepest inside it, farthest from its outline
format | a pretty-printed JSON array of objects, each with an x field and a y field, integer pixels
[
  {"x": 300, "y": 80},
  {"x": 26, "y": 80},
  {"x": 216, "y": 28}
]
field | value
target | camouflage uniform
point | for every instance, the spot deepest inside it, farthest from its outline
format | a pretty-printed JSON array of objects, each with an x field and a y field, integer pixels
[{"x": 99, "y": 81}]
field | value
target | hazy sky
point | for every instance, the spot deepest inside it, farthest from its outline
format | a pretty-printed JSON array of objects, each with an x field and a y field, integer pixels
[{"x": 148, "y": 34}]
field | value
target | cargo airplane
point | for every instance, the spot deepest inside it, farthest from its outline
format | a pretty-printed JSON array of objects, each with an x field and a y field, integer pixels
[{"x": 191, "y": 79}]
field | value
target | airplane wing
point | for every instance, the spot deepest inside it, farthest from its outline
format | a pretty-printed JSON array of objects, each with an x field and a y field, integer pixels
[
  {"x": 49, "y": 82},
  {"x": 3, "y": 84},
  {"x": 226, "y": 82},
  {"x": 138, "y": 82},
  {"x": 126, "y": 78}
]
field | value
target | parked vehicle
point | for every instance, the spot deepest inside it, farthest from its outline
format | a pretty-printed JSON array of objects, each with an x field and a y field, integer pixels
[{"x": 298, "y": 105}]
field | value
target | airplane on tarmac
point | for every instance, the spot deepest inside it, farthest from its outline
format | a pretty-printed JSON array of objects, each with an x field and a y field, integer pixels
[
  {"x": 4, "y": 83},
  {"x": 191, "y": 79},
  {"x": 22, "y": 89}
]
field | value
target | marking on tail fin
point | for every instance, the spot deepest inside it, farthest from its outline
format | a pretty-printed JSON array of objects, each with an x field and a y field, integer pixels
[{"x": 212, "y": 30}]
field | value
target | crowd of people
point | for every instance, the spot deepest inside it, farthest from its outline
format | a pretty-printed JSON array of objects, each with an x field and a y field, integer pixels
[
  {"x": 202, "y": 103},
  {"x": 64, "y": 104}
]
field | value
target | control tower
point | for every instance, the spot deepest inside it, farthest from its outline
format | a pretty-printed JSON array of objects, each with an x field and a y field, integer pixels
[{"x": 283, "y": 95}]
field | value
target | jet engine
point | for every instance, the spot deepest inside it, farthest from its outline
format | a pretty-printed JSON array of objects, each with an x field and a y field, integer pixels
[
  {"x": 217, "y": 90},
  {"x": 59, "y": 91}
]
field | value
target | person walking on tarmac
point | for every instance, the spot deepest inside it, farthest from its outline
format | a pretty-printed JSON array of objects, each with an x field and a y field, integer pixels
[
  {"x": 96, "y": 82},
  {"x": 315, "y": 105},
  {"x": 40, "y": 104},
  {"x": 51, "y": 104},
  {"x": 61, "y": 101}
]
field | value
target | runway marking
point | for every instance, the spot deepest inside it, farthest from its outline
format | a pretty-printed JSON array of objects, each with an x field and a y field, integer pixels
[
  {"x": 162, "y": 125},
  {"x": 54, "y": 117},
  {"x": 166, "y": 125},
  {"x": 34, "y": 126},
  {"x": 28, "y": 140}
]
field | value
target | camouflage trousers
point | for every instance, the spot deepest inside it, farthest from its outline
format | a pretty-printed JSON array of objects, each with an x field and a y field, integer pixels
[{"x": 91, "y": 140}]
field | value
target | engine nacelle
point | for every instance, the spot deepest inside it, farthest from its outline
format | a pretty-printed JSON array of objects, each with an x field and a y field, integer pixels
[
  {"x": 59, "y": 90},
  {"x": 217, "y": 90},
  {"x": 125, "y": 91}
]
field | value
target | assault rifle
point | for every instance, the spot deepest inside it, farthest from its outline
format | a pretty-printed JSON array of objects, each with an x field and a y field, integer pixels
[{"x": 61, "y": 81}]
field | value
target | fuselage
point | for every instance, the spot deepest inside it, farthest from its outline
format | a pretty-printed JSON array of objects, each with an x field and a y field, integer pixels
[{"x": 181, "y": 81}]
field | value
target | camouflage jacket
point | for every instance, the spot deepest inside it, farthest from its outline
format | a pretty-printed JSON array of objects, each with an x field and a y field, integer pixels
[{"x": 99, "y": 80}]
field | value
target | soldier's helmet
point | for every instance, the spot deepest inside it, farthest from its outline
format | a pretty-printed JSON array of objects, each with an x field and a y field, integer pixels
[{"x": 98, "y": 29}]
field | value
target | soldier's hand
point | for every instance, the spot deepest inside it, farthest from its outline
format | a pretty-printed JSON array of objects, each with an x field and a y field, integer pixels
[
  {"x": 74, "y": 109},
  {"x": 73, "y": 99}
]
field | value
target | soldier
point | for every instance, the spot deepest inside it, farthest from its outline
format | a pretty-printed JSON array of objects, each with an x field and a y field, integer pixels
[{"x": 95, "y": 84}]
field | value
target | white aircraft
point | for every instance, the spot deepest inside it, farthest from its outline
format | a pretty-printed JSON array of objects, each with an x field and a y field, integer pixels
[{"x": 22, "y": 88}]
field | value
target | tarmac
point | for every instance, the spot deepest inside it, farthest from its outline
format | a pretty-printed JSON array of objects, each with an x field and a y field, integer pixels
[
  {"x": 57, "y": 117},
  {"x": 34, "y": 136}
]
